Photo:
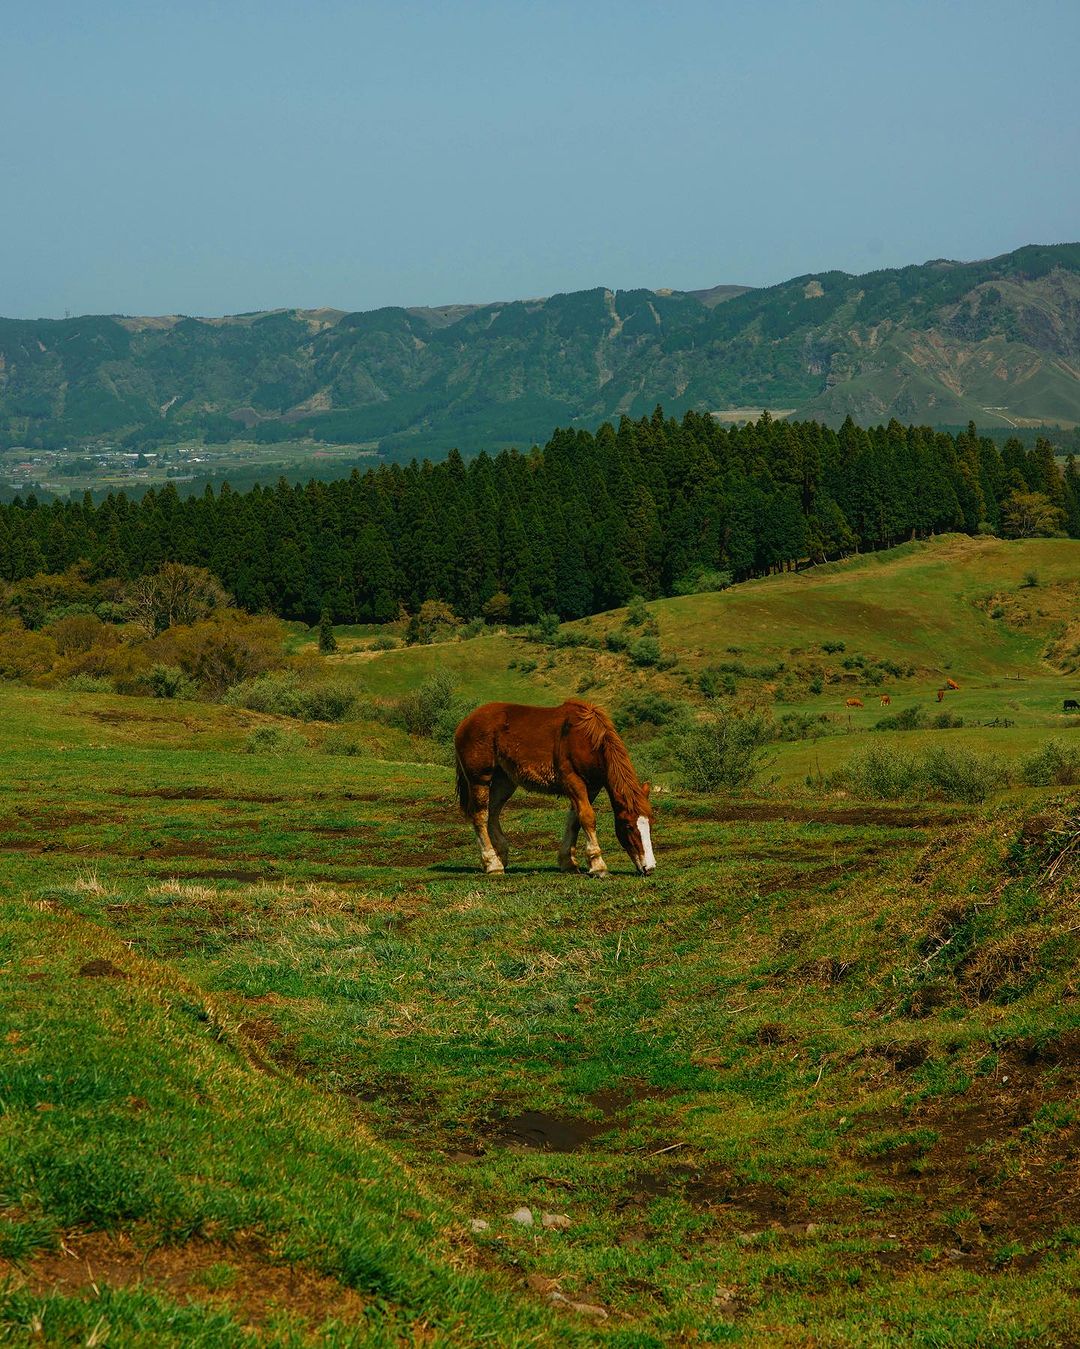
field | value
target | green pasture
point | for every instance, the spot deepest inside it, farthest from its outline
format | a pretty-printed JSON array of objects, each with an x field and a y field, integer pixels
[{"x": 277, "y": 1063}]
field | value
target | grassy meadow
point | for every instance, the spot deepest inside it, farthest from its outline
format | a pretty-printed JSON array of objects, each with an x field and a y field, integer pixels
[{"x": 278, "y": 1065}]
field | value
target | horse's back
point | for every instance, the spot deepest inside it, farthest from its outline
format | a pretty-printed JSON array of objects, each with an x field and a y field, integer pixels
[{"x": 522, "y": 740}]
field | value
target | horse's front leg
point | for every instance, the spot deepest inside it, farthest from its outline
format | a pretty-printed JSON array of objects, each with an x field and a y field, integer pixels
[
  {"x": 492, "y": 862},
  {"x": 579, "y": 798},
  {"x": 567, "y": 855}
]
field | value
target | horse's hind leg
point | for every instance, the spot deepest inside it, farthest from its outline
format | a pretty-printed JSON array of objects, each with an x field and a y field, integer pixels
[
  {"x": 490, "y": 858},
  {"x": 502, "y": 789}
]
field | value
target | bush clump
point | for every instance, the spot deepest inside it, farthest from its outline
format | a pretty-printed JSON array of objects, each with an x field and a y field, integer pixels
[
  {"x": 1054, "y": 764},
  {"x": 880, "y": 773},
  {"x": 168, "y": 681},
  {"x": 724, "y": 751},
  {"x": 280, "y": 693},
  {"x": 645, "y": 652},
  {"x": 430, "y": 710},
  {"x": 908, "y": 719},
  {"x": 702, "y": 580},
  {"x": 273, "y": 740},
  {"x": 648, "y": 709}
]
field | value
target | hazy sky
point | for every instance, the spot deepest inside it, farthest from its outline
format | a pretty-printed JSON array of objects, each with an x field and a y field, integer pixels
[{"x": 210, "y": 158}]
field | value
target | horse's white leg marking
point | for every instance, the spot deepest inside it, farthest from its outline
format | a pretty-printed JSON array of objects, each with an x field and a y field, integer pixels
[
  {"x": 567, "y": 856},
  {"x": 597, "y": 865},
  {"x": 490, "y": 858},
  {"x": 648, "y": 861}
]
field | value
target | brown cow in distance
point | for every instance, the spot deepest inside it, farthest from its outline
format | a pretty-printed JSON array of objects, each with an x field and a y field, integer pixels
[
  {"x": 952, "y": 684},
  {"x": 941, "y": 695},
  {"x": 854, "y": 702},
  {"x": 886, "y": 701}
]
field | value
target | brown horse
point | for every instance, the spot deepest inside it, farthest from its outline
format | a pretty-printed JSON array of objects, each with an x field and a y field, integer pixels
[
  {"x": 952, "y": 684},
  {"x": 573, "y": 751},
  {"x": 886, "y": 701},
  {"x": 854, "y": 702}
]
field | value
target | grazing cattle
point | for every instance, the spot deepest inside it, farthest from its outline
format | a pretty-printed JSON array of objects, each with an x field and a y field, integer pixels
[
  {"x": 572, "y": 750},
  {"x": 854, "y": 702},
  {"x": 951, "y": 683},
  {"x": 885, "y": 700},
  {"x": 941, "y": 695},
  {"x": 1071, "y": 705}
]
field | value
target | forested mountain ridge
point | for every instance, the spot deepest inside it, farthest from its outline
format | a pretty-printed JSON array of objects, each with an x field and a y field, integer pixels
[
  {"x": 996, "y": 342},
  {"x": 658, "y": 506}
]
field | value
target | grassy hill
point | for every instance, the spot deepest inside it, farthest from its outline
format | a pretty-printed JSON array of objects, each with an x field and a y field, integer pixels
[
  {"x": 278, "y": 1065},
  {"x": 942, "y": 343}
]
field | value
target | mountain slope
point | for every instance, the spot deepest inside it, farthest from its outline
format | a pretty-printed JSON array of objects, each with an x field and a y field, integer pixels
[{"x": 996, "y": 341}]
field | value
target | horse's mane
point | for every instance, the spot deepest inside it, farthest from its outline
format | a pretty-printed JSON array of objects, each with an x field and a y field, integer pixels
[{"x": 605, "y": 739}]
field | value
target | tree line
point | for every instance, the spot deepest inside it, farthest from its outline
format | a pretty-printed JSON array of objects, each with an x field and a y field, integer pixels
[{"x": 656, "y": 506}]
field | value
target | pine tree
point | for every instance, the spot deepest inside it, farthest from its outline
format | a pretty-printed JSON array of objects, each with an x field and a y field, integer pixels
[{"x": 327, "y": 640}]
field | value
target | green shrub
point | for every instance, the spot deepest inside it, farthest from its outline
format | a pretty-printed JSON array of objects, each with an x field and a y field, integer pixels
[
  {"x": 645, "y": 652},
  {"x": 280, "y": 693},
  {"x": 637, "y": 612},
  {"x": 945, "y": 721},
  {"x": 702, "y": 580},
  {"x": 909, "y": 719},
  {"x": 883, "y": 773},
  {"x": 833, "y": 647},
  {"x": 340, "y": 742},
  {"x": 169, "y": 681},
  {"x": 879, "y": 773},
  {"x": 474, "y": 628},
  {"x": 1053, "y": 764},
  {"x": 962, "y": 774},
  {"x": 716, "y": 683},
  {"x": 87, "y": 683},
  {"x": 1030, "y": 581},
  {"x": 384, "y": 642},
  {"x": 431, "y": 709},
  {"x": 273, "y": 740},
  {"x": 648, "y": 708},
  {"x": 723, "y": 751},
  {"x": 803, "y": 726},
  {"x": 616, "y": 640}
]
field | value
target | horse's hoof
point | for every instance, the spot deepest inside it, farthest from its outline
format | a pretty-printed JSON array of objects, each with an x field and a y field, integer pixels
[{"x": 598, "y": 875}]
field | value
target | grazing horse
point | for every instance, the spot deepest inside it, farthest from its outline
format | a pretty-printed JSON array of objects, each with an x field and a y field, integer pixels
[
  {"x": 1071, "y": 705},
  {"x": 573, "y": 751},
  {"x": 951, "y": 683},
  {"x": 941, "y": 695},
  {"x": 854, "y": 702},
  {"x": 886, "y": 701}
]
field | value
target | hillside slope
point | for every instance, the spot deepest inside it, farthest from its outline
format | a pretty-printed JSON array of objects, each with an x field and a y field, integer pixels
[{"x": 996, "y": 341}]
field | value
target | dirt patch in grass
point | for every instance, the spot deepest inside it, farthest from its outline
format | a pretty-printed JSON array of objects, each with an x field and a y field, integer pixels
[
  {"x": 101, "y": 969},
  {"x": 242, "y": 1278},
  {"x": 538, "y": 1129},
  {"x": 195, "y": 794},
  {"x": 998, "y": 1171}
]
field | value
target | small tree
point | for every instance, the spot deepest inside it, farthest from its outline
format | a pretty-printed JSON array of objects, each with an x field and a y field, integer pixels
[
  {"x": 327, "y": 640},
  {"x": 173, "y": 596},
  {"x": 497, "y": 609},
  {"x": 1025, "y": 515}
]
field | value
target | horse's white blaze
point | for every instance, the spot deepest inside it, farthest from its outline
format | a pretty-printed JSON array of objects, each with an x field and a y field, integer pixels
[{"x": 648, "y": 861}]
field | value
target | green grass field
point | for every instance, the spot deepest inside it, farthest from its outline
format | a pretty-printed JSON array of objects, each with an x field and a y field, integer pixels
[{"x": 277, "y": 1064}]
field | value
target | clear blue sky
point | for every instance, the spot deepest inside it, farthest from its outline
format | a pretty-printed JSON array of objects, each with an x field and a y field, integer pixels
[{"x": 209, "y": 158}]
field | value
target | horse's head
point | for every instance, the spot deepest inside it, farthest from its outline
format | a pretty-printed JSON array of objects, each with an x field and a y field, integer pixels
[{"x": 633, "y": 820}]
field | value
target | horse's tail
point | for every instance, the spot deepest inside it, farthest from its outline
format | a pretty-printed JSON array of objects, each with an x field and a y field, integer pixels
[{"x": 464, "y": 788}]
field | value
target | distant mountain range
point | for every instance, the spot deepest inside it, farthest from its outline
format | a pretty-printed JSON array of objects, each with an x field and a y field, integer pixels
[{"x": 996, "y": 342}]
